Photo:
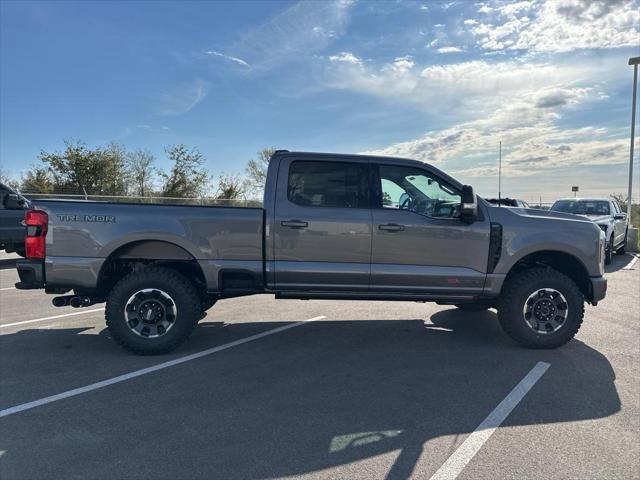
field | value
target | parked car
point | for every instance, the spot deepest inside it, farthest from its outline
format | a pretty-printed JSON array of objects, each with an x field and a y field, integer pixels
[
  {"x": 12, "y": 229},
  {"x": 344, "y": 227},
  {"x": 605, "y": 213},
  {"x": 509, "y": 202}
]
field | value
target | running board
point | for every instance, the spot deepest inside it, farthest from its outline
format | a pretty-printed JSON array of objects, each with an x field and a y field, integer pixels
[{"x": 406, "y": 297}]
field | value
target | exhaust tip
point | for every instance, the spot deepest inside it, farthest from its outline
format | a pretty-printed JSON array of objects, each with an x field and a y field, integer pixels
[{"x": 60, "y": 301}]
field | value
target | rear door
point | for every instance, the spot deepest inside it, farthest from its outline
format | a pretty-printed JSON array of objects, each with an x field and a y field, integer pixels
[
  {"x": 420, "y": 245},
  {"x": 322, "y": 225}
]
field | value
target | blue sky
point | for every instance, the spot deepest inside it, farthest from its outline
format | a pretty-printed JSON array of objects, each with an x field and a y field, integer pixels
[{"x": 442, "y": 82}]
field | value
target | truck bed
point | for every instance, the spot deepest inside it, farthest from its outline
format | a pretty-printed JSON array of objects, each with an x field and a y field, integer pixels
[{"x": 84, "y": 234}]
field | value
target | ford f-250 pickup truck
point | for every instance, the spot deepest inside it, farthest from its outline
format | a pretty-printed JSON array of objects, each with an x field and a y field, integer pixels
[{"x": 344, "y": 227}]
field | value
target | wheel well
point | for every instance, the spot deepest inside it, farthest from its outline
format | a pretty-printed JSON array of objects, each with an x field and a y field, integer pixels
[
  {"x": 138, "y": 255},
  {"x": 562, "y": 262}
]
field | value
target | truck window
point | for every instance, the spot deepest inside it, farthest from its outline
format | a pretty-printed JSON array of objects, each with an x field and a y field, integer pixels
[
  {"x": 414, "y": 189},
  {"x": 329, "y": 184}
]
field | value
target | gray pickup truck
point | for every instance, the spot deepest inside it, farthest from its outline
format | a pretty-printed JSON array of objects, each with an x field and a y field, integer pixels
[{"x": 340, "y": 227}]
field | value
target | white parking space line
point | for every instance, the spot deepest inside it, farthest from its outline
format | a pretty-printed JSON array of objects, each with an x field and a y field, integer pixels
[
  {"x": 630, "y": 265},
  {"x": 7, "y": 288},
  {"x": 465, "y": 452},
  {"x": 44, "y": 319},
  {"x": 154, "y": 368}
]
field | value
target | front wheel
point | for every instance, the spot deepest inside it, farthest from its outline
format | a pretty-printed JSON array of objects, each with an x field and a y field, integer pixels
[
  {"x": 541, "y": 308},
  {"x": 608, "y": 252},
  {"x": 152, "y": 311}
]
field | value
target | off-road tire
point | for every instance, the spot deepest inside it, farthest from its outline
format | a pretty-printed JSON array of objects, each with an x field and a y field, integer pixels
[
  {"x": 608, "y": 252},
  {"x": 512, "y": 301},
  {"x": 206, "y": 304},
  {"x": 184, "y": 295}
]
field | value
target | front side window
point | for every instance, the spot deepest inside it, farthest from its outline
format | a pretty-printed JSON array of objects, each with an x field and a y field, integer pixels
[
  {"x": 414, "y": 189},
  {"x": 329, "y": 184}
]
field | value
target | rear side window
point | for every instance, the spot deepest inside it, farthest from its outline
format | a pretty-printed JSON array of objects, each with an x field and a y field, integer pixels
[{"x": 329, "y": 184}]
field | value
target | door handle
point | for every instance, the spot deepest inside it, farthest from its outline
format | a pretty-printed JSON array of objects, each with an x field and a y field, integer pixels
[
  {"x": 294, "y": 224},
  {"x": 391, "y": 227}
]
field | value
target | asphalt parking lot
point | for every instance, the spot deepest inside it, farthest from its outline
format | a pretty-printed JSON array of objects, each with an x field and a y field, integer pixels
[{"x": 365, "y": 390}]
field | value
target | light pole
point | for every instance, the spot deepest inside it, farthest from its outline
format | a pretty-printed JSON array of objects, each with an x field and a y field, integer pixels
[
  {"x": 500, "y": 176},
  {"x": 632, "y": 61}
]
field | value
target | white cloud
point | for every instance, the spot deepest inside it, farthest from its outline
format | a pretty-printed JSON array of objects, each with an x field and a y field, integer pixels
[
  {"x": 536, "y": 146},
  {"x": 302, "y": 29},
  {"x": 346, "y": 57},
  {"x": 561, "y": 25},
  {"x": 183, "y": 98},
  {"x": 470, "y": 21},
  {"x": 449, "y": 50},
  {"x": 402, "y": 64},
  {"x": 472, "y": 88},
  {"x": 237, "y": 60}
]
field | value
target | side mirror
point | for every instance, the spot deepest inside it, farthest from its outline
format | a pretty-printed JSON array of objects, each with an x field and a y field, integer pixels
[
  {"x": 469, "y": 205},
  {"x": 620, "y": 216},
  {"x": 14, "y": 202}
]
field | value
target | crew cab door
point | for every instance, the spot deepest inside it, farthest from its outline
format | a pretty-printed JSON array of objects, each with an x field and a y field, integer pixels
[
  {"x": 420, "y": 245},
  {"x": 322, "y": 225}
]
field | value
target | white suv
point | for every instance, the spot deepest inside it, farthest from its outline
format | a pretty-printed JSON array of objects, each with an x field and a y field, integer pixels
[{"x": 606, "y": 213}]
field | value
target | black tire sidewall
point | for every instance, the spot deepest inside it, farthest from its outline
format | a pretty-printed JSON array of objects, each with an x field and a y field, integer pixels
[
  {"x": 511, "y": 310},
  {"x": 608, "y": 253},
  {"x": 176, "y": 286}
]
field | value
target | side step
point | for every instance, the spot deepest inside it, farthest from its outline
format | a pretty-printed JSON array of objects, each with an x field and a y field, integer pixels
[{"x": 406, "y": 297}]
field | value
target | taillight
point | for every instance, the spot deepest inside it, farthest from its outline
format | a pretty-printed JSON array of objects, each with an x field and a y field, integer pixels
[{"x": 37, "y": 223}]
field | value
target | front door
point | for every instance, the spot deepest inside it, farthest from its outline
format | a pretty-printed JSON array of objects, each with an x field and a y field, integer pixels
[
  {"x": 322, "y": 225},
  {"x": 420, "y": 245}
]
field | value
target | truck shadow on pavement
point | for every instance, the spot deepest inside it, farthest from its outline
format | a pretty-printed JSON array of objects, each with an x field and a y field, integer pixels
[
  {"x": 316, "y": 397},
  {"x": 619, "y": 262}
]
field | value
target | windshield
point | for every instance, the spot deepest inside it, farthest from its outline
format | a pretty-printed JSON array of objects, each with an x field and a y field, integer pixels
[{"x": 582, "y": 207}]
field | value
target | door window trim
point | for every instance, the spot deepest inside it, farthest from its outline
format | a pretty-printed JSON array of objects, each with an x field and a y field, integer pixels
[{"x": 376, "y": 191}]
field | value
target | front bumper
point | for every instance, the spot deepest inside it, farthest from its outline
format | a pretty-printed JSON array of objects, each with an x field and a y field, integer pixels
[
  {"x": 31, "y": 273},
  {"x": 598, "y": 289}
]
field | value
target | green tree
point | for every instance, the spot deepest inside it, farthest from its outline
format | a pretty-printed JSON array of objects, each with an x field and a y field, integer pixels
[
  {"x": 115, "y": 159},
  {"x": 8, "y": 180},
  {"x": 142, "y": 172},
  {"x": 230, "y": 187},
  {"x": 79, "y": 169},
  {"x": 257, "y": 171},
  {"x": 37, "y": 180},
  {"x": 187, "y": 178},
  {"x": 621, "y": 199}
]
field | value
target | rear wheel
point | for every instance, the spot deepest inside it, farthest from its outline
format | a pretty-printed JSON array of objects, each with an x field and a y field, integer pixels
[
  {"x": 206, "y": 304},
  {"x": 608, "y": 252},
  {"x": 152, "y": 311},
  {"x": 541, "y": 308}
]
